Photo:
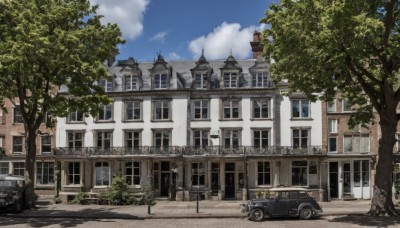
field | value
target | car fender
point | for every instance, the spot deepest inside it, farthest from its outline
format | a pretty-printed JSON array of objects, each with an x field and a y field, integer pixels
[{"x": 301, "y": 206}]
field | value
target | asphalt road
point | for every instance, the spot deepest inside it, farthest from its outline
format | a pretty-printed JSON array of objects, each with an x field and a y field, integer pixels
[{"x": 325, "y": 222}]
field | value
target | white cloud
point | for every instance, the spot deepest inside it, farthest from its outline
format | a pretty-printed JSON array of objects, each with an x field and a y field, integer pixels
[
  {"x": 160, "y": 37},
  {"x": 173, "y": 56},
  {"x": 224, "y": 39},
  {"x": 128, "y": 14}
]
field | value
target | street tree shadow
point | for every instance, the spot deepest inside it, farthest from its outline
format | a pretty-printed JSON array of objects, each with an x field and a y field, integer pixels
[
  {"x": 366, "y": 220},
  {"x": 62, "y": 218}
]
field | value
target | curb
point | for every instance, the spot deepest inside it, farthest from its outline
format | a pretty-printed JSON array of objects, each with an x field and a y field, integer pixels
[{"x": 141, "y": 217}]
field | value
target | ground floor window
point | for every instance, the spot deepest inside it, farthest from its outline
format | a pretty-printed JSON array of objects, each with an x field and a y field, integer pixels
[
  {"x": 264, "y": 173},
  {"x": 132, "y": 173},
  {"x": 299, "y": 173},
  {"x": 74, "y": 173},
  {"x": 102, "y": 173},
  {"x": 361, "y": 173},
  {"x": 4, "y": 168},
  {"x": 18, "y": 168},
  {"x": 45, "y": 173},
  {"x": 198, "y": 174}
]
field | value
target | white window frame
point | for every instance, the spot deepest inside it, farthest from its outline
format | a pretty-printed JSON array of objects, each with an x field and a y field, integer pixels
[
  {"x": 136, "y": 108},
  {"x": 332, "y": 125},
  {"x": 160, "y": 81},
  {"x": 329, "y": 144},
  {"x": 106, "y": 138},
  {"x": 76, "y": 117},
  {"x": 45, "y": 144},
  {"x": 165, "y": 107},
  {"x": 260, "y": 80},
  {"x": 351, "y": 148},
  {"x": 105, "y": 173},
  {"x": 4, "y": 168},
  {"x": 19, "y": 145},
  {"x": 162, "y": 135},
  {"x": 231, "y": 79},
  {"x": 201, "y": 107},
  {"x": 18, "y": 170},
  {"x": 45, "y": 173},
  {"x": 201, "y": 137},
  {"x": 229, "y": 136},
  {"x": 133, "y": 178},
  {"x": 262, "y": 105},
  {"x": 106, "y": 84},
  {"x": 302, "y": 103},
  {"x": 132, "y": 82},
  {"x": 228, "y": 109},
  {"x": 201, "y": 81},
  {"x": 75, "y": 175},
  {"x": 74, "y": 139},
  {"x": 345, "y": 105},
  {"x": 301, "y": 137},
  {"x": 17, "y": 115},
  {"x": 198, "y": 173},
  {"x": 261, "y": 139},
  {"x": 264, "y": 173},
  {"x": 132, "y": 139},
  {"x": 106, "y": 114}
]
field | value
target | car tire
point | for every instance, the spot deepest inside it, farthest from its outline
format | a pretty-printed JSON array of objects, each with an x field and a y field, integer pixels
[
  {"x": 17, "y": 207},
  {"x": 257, "y": 215},
  {"x": 306, "y": 213}
]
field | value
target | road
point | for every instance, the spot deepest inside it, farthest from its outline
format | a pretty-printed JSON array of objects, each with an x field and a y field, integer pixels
[{"x": 329, "y": 221}]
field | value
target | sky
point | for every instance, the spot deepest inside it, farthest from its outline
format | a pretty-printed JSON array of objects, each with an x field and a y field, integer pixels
[{"x": 180, "y": 29}]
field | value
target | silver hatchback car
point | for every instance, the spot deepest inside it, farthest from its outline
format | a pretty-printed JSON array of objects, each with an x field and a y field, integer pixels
[{"x": 283, "y": 202}]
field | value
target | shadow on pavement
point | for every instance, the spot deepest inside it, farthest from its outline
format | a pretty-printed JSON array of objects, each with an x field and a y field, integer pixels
[
  {"x": 366, "y": 220},
  {"x": 61, "y": 218}
]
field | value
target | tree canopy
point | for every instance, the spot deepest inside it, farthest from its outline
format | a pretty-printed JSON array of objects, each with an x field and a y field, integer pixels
[
  {"x": 351, "y": 48},
  {"x": 45, "y": 44}
]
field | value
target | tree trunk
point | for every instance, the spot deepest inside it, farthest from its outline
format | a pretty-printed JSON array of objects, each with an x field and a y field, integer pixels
[
  {"x": 30, "y": 196},
  {"x": 382, "y": 203}
]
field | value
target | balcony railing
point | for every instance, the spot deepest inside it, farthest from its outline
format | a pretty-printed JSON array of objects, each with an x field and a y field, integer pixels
[{"x": 192, "y": 151}]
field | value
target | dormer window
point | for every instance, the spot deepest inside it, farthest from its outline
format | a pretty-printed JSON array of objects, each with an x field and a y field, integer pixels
[
  {"x": 260, "y": 80},
  {"x": 131, "y": 82},
  {"x": 106, "y": 84},
  {"x": 201, "y": 81},
  {"x": 160, "y": 81},
  {"x": 230, "y": 80}
]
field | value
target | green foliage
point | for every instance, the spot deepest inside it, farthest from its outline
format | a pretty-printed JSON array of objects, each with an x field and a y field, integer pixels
[
  {"x": 79, "y": 198},
  {"x": 57, "y": 200},
  {"x": 337, "y": 47},
  {"x": 149, "y": 196},
  {"x": 47, "y": 44},
  {"x": 118, "y": 193}
]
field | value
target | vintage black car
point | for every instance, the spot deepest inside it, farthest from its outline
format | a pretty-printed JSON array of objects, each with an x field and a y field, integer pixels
[
  {"x": 12, "y": 190},
  {"x": 283, "y": 202}
]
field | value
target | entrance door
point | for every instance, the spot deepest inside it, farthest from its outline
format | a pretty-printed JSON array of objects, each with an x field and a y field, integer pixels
[
  {"x": 215, "y": 178},
  {"x": 165, "y": 178},
  {"x": 346, "y": 178},
  {"x": 333, "y": 179},
  {"x": 229, "y": 185},
  {"x": 229, "y": 180}
]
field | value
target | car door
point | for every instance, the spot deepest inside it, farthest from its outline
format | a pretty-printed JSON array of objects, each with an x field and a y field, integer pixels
[
  {"x": 293, "y": 202},
  {"x": 281, "y": 204}
]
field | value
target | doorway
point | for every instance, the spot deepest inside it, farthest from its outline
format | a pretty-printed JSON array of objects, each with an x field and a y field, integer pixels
[
  {"x": 230, "y": 180},
  {"x": 346, "y": 178},
  {"x": 334, "y": 179}
]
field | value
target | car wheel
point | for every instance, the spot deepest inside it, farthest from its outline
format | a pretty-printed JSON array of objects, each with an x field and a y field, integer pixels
[
  {"x": 306, "y": 213},
  {"x": 257, "y": 215},
  {"x": 18, "y": 207}
]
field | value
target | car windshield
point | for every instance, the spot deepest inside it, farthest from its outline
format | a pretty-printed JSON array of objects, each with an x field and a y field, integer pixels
[{"x": 8, "y": 183}]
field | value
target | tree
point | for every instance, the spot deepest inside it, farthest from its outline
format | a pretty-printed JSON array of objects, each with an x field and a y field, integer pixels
[
  {"x": 45, "y": 44},
  {"x": 352, "y": 48}
]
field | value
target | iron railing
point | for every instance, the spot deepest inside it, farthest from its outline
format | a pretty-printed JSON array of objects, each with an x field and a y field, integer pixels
[{"x": 192, "y": 151}]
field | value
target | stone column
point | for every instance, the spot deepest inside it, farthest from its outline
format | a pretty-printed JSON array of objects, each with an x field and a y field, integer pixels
[{"x": 221, "y": 191}]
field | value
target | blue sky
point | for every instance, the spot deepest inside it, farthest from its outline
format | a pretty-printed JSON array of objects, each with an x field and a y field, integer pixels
[{"x": 180, "y": 29}]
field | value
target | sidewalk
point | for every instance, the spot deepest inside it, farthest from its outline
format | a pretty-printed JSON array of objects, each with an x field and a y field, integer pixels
[{"x": 171, "y": 209}]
